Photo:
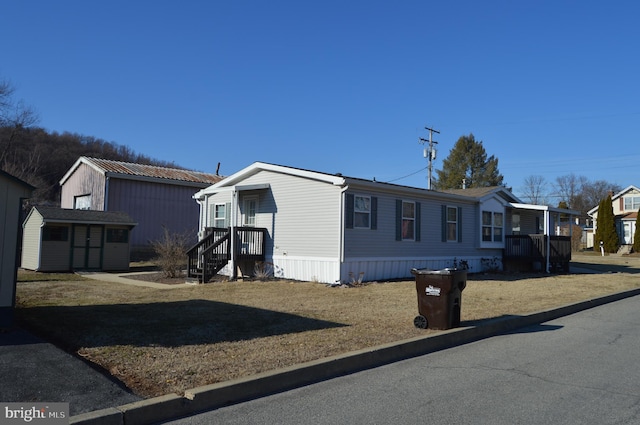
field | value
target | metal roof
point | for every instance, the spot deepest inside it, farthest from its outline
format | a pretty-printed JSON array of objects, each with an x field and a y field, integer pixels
[{"x": 132, "y": 170}]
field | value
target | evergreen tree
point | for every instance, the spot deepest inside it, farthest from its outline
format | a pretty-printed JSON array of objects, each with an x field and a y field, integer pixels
[
  {"x": 606, "y": 227},
  {"x": 636, "y": 234},
  {"x": 468, "y": 161}
]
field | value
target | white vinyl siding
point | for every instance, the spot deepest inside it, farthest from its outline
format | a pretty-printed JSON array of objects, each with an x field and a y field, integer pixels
[{"x": 290, "y": 205}]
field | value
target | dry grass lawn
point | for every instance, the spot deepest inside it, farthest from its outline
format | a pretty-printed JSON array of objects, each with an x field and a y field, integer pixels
[{"x": 164, "y": 340}]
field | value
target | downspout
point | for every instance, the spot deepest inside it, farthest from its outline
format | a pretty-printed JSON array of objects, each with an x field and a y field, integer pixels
[
  {"x": 342, "y": 225},
  {"x": 106, "y": 194}
]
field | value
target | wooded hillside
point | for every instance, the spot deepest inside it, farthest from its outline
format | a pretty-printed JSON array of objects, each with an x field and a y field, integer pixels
[{"x": 41, "y": 158}]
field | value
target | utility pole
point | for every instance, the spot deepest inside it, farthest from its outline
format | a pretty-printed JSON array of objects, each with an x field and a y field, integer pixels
[{"x": 430, "y": 152}]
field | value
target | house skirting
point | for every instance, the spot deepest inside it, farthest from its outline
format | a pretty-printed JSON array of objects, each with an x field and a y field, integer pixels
[
  {"x": 369, "y": 269},
  {"x": 330, "y": 270}
]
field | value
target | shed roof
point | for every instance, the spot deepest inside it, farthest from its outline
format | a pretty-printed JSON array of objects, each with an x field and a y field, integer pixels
[
  {"x": 143, "y": 171},
  {"x": 16, "y": 180},
  {"x": 65, "y": 215}
]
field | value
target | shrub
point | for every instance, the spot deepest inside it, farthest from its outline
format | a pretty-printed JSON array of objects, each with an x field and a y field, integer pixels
[{"x": 171, "y": 252}]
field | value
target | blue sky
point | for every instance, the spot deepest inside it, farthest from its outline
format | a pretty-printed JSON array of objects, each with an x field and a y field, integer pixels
[{"x": 550, "y": 87}]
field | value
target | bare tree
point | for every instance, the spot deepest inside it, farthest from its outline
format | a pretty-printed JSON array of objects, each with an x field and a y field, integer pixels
[
  {"x": 534, "y": 190},
  {"x": 569, "y": 187},
  {"x": 15, "y": 117}
]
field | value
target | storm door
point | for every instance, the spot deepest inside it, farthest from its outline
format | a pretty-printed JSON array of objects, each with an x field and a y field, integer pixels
[{"x": 87, "y": 246}]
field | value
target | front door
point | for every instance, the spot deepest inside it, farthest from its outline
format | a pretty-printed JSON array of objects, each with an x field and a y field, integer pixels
[
  {"x": 87, "y": 246},
  {"x": 628, "y": 229}
]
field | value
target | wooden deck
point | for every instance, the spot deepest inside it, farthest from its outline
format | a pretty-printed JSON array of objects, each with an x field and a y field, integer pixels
[
  {"x": 529, "y": 252},
  {"x": 213, "y": 252}
]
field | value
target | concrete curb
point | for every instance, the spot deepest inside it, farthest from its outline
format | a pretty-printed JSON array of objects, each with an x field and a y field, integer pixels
[{"x": 214, "y": 396}]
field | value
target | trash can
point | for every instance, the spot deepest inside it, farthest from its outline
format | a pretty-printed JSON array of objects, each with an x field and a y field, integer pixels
[{"x": 439, "y": 297}]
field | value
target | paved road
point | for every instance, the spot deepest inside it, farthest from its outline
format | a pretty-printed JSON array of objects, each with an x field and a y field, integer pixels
[{"x": 580, "y": 369}]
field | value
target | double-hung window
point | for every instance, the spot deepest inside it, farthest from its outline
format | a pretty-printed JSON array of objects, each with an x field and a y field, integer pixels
[
  {"x": 361, "y": 212},
  {"x": 492, "y": 226},
  {"x": 452, "y": 224},
  {"x": 408, "y": 220},
  {"x": 632, "y": 203},
  {"x": 219, "y": 215}
]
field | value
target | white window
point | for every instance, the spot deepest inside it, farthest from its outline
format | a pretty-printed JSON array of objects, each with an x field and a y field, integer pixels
[
  {"x": 362, "y": 212},
  {"x": 452, "y": 224},
  {"x": 250, "y": 207},
  {"x": 82, "y": 202},
  {"x": 408, "y": 220},
  {"x": 492, "y": 223},
  {"x": 219, "y": 215},
  {"x": 632, "y": 203}
]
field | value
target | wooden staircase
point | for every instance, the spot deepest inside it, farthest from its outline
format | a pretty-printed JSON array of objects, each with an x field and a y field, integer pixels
[
  {"x": 213, "y": 252},
  {"x": 209, "y": 255}
]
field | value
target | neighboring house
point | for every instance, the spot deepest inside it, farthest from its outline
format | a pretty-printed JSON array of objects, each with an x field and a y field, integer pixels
[
  {"x": 57, "y": 239},
  {"x": 155, "y": 197},
  {"x": 626, "y": 204},
  {"x": 12, "y": 192},
  {"x": 330, "y": 228}
]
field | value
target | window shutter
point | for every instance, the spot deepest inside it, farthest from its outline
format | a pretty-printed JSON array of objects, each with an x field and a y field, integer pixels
[
  {"x": 459, "y": 224},
  {"x": 444, "y": 223},
  {"x": 398, "y": 219},
  {"x": 417, "y": 222},
  {"x": 374, "y": 213},
  {"x": 348, "y": 210}
]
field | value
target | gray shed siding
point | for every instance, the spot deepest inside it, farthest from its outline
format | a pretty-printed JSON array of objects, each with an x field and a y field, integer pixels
[
  {"x": 84, "y": 181},
  {"x": 152, "y": 206},
  {"x": 54, "y": 255},
  {"x": 116, "y": 254},
  {"x": 12, "y": 191}
]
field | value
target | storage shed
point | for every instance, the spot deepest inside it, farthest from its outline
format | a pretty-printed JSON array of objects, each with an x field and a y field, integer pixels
[
  {"x": 157, "y": 198},
  {"x": 58, "y": 239},
  {"x": 12, "y": 192}
]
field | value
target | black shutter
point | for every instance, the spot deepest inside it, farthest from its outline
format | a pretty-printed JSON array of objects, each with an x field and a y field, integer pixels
[
  {"x": 348, "y": 211},
  {"x": 398, "y": 219},
  {"x": 459, "y": 224},
  {"x": 444, "y": 223},
  {"x": 374, "y": 213},
  {"x": 417, "y": 222}
]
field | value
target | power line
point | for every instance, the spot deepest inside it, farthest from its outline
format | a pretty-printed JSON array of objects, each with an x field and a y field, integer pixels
[{"x": 408, "y": 175}]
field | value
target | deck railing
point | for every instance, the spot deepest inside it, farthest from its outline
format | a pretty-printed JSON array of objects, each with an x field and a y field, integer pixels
[
  {"x": 534, "y": 248},
  {"x": 213, "y": 251}
]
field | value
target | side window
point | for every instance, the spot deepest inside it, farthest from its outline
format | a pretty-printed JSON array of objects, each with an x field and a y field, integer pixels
[
  {"x": 55, "y": 233},
  {"x": 452, "y": 224},
  {"x": 82, "y": 202},
  {"x": 219, "y": 215},
  {"x": 361, "y": 212},
  {"x": 492, "y": 226},
  {"x": 407, "y": 220},
  {"x": 117, "y": 235}
]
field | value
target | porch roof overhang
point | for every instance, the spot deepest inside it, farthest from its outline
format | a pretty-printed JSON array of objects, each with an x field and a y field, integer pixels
[
  {"x": 235, "y": 188},
  {"x": 534, "y": 207}
]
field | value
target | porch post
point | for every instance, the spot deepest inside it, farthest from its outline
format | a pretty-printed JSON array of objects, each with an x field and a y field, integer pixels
[
  {"x": 547, "y": 233},
  {"x": 232, "y": 235}
]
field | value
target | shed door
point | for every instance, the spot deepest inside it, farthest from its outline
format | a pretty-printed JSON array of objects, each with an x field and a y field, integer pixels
[{"x": 87, "y": 246}]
